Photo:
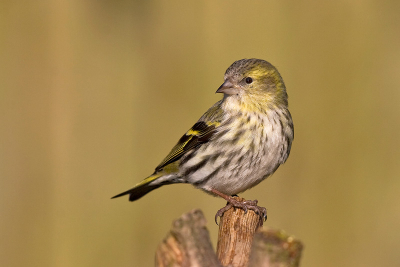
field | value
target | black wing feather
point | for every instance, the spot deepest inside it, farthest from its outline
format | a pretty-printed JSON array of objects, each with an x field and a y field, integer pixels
[{"x": 199, "y": 134}]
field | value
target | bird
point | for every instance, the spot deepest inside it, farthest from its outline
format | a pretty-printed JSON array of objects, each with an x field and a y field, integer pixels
[{"x": 240, "y": 141}]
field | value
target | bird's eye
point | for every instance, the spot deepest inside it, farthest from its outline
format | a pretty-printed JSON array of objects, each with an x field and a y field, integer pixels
[{"x": 249, "y": 80}]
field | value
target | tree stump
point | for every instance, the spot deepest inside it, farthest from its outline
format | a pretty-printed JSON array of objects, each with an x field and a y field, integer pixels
[
  {"x": 242, "y": 242},
  {"x": 187, "y": 244}
]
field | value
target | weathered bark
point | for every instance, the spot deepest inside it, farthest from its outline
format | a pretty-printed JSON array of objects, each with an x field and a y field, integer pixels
[
  {"x": 236, "y": 232},
  {"x": 187, "y": 244},
  {"x": 241, "y": 243}
]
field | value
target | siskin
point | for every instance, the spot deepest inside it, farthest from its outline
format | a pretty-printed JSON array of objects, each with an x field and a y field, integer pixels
[{"x": 240, "y": 141}]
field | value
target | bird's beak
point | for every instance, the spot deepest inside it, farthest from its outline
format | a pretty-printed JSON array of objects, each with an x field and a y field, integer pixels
[{"x": 228, "y": 88}]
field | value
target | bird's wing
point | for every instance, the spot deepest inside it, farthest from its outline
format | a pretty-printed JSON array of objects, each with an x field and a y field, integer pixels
[{"x": 199, "y": 134}]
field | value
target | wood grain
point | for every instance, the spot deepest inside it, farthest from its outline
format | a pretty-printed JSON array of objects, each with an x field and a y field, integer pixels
[
  {"x": 236, "y": 232},
  {"x": 187, "y": 244}
]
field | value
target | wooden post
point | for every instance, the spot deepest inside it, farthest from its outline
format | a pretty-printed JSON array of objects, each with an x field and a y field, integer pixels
[
  {"x": 241, "y": 243},
  {"x": 235, "y": 236}
]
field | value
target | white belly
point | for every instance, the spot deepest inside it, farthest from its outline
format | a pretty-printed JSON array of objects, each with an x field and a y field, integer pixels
[{"x": 232, "y": 165}]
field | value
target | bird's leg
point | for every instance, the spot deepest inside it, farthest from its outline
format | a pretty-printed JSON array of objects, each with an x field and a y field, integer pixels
[{"x": 245, "y": 205}]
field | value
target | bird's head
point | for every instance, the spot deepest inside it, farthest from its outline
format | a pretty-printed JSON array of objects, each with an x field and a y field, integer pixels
[{"x": 254, "y": 81}]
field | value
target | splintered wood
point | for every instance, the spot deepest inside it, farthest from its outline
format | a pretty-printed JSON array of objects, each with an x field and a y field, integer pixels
[{"x": 242, "y": 242}]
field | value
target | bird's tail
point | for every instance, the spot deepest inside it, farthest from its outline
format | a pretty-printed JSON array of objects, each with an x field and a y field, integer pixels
[{"x": 141, "y": 188}]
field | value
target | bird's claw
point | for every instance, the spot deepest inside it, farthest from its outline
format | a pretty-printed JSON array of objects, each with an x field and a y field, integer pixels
[
  {"x": 222, "y": 211},
  {"x": 245, "y": 206}
]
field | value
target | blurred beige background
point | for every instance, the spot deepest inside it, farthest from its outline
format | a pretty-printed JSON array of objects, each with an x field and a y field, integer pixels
[{"x": 93, "y": 94}]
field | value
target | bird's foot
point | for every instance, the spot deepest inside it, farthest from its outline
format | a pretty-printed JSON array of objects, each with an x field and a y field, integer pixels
[{"x": 244, "y": 205}]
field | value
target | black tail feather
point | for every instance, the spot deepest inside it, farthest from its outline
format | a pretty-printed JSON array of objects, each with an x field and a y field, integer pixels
[{"x": 137, "y": 192}]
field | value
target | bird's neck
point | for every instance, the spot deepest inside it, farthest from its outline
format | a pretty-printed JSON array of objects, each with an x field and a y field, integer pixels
[{"x": 248, "y": 104}]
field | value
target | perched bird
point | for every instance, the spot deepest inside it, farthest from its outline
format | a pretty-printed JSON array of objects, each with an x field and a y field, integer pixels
[{"x": 240, "y": 141}]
